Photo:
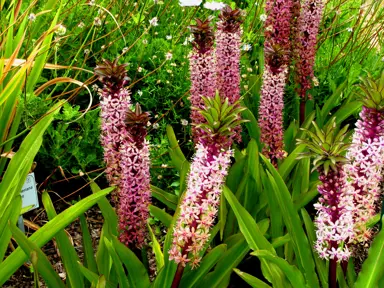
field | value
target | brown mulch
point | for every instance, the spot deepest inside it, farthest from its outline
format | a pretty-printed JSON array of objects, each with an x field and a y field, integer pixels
[{"x": 23, "y": 277}]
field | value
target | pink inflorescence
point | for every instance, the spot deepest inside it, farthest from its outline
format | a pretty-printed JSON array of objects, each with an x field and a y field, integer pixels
[
  {"x": 134, "y": 192},
  {"x": 278, "y": 27},
  {"x": 334, "y": 219},
  {"x": 308, "y": 29},
  {"x": 114, "y": 105},
  {"x": 228, "y": 43},
  {"x": 277, "y": 54},
  {"x": 203, "y": 83},
  {"x": 200, "y": 204},
  {"x": 364, "y": 171},
  {"x": 271, "y": 113}
]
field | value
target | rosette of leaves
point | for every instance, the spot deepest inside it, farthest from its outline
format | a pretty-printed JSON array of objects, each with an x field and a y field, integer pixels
[
  {"x": 221, "y": 117},
  {"x": 326, "y": 145},
  {"x": 373, "y": 92},
  {"x": 231, "y": 18},
  {"x": 112, "y": 74},
  {"x": 203, "y": 35}
]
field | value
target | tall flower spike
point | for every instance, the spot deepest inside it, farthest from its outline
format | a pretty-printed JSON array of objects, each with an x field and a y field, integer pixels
[
  {"x": 209, "y": 168},
  {"x": 334, "y": 220},
  {"x": 228, "y": 44},
  {"x": 203, "y": 76},
  {"x": 277, "y": 54},
  {"x": 366, "y": 157},
  {"x": 307, "y": 31},
  {"x": 135, "y": 180},
  {"x": 115, "y": 101}
]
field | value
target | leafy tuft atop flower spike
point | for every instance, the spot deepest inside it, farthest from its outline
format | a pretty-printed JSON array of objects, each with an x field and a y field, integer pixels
[
  {"x": 221, "y": 117},
  {"x": 112, "y": 74},
  {"x": 373, "y": 97},
  {"x": 231, "y": 18},
  {"x": 327, "y": 146},
  {"x": 334, "y": 221},
  {"x": 203, "y": 35}
]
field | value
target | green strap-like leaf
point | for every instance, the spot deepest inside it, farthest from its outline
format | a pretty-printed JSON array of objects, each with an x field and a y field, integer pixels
[
  {"x": 67, "y": 251},
  {"x": 372, "y": 270},
  {"x": 251, "y": 280},
  {"x": 231, "y": 258},
  {"x": 193, "y": 278},
  {"x": 137, "y": 274},
  {"x": 294, "y": 226},
  {"x": 160, "y": 214},
  {"x": 117, "y": 264},
  {"x": 89, "y": 255},
  {"x": 44, "y": 267},
  {"x": 254, "y": 237},
  {"x": 47, "y": 232},
  {"x": 167, "y": 198},
  {"x": 320, "y": 264},
  {"x": 156, "y": 249},
  {"x": 293, "y": 274}
]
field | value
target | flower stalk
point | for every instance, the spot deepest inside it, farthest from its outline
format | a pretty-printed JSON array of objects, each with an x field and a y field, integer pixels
[{"x": 334, "y": 221}]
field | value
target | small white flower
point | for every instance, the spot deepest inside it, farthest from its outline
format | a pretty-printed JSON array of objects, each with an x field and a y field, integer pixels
[
  {"x": 173, "y": 64},
  {"x": 159, "y": 177},
  {"x": 145, "y": 41},
  {"x": 349, "y": 29},
  {"x": 164, "y": 165},
  {"x": 169, "y": 71},
  {"x": 246, "y": 47},
  {"x": 154, "y": 57},
  {"x": 249, "y": 69},
  {"x": 214, "y": 5},
  {"x": 95, "y": 87},
  {"x": 185, "y": 43},
  {"x": 168, "y": 37},
  {"x": 125, "y": 49},
  {"x": 32, "y": 17},
  {"x": 61, "y": 30},
  {"x": 91, "y": 2},
  {"x": 81, "y": 25},
  {"x": 97, "y": 21},
  {"x": 191, "y": 38},
  {"x": 156, "y": 126},
  {"x": 263, "y": 17},
  {"x": 168, "y": 56},
  {"x": 154, "y": 22},
  {"x": 139, "y": 69},
  {"x": 382, "y": 59},
  {"x": 140, "y": 93},
  {"x": 86, "y": 51},
  {"x": 184, "y": 122},
  {"x": 185, "y": 3},
  {"x": 315, "y": 81}
]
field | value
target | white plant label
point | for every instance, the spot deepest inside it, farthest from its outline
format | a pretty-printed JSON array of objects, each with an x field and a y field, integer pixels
[{"x": 29, "y": 193}]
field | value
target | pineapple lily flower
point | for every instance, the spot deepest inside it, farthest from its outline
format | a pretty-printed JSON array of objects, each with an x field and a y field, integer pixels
[
  {"x": 228, "y": 50},
  {"x": 207, "y": 174},
  {"x": 126, "y": 152},
  {"x": 203, "y": 77},
  {"x": 114, "y": 103},
  {"x": 366, "y": 157},
  {"x": 135, "y": 194},
  {"x": 277, "y": 55},
  {"x": 334, "y": 221}
]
